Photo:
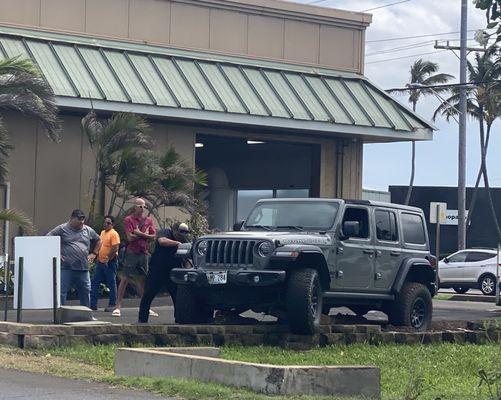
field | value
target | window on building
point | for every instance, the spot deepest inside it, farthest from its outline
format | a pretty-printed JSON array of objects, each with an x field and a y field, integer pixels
[
  {"x": 386, "y": 226},
  {"x": 413, "y": 229},
  {"x": 361, "y": 216},
  {"x": 246, "y": 199}
]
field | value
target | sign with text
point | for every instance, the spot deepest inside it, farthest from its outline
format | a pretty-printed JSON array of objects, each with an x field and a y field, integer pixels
[
  {"x": 442, "y": 208},
  {"x": 451, "y": 217}
]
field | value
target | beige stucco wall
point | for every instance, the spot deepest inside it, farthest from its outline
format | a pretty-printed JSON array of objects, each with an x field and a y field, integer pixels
[
  {"x": 50, "y": 179},
  {"x": 258, "y": 28}
]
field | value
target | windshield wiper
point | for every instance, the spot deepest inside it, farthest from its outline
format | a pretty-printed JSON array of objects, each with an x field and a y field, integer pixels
[
  {"x": 267, "y": 228},
  {"x": 296, "y": 227}
]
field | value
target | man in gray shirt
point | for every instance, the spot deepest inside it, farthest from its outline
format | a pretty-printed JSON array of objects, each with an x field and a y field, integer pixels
[{"x": 76, "y": 241}]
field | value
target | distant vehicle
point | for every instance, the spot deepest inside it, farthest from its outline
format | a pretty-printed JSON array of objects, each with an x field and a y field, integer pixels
[
  {"x": 469, "y": 269},
  {"x": 300, "y": 257}
]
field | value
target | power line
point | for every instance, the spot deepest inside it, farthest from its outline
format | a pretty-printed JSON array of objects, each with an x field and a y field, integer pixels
[
  {"x": 409, "y": 56},
  {"x": 445, "y": 85},
  {"x": 415, "y": 36},
  {"x": 386, "y": 5}
]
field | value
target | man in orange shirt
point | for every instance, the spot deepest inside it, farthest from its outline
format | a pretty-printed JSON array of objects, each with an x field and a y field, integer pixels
[{"x": 106, "y": 265}]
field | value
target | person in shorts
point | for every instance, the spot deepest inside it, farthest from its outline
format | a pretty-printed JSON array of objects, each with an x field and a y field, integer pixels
[
  {"x": 106, "y": 265},
  {"x": 162, "y": 261},
  {"x": 139, "y": 231}
]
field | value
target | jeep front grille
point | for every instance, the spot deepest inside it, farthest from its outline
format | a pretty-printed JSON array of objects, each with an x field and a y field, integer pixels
[{"x": 230, "y": 253}]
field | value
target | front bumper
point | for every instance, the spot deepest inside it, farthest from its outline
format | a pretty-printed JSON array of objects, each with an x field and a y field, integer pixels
[{"x": 198, "y": 277}]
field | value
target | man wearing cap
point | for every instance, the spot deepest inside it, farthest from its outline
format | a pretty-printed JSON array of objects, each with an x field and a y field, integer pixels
[
  {"x": 79, "y": 247},
  {"x": 162, "y": 261}
]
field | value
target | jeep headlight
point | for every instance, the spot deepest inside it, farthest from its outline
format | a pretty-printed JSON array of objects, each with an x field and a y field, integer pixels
[
  {"x": 202, "y": 247},
  {"x": 265, "y": 249}
]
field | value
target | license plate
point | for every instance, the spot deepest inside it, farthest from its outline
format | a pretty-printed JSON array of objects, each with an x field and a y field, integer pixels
[{"x": 217, "y": 278}]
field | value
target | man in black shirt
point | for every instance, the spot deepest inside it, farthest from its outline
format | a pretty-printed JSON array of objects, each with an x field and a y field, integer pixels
[{"x": 161, "y": 263}]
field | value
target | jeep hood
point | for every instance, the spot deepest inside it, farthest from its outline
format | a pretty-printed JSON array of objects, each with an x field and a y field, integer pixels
[{"x": 284, "y": 237}]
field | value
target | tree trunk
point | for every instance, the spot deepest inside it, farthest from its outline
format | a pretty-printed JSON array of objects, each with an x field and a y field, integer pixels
[
  {"x": 486, "y": 179},
  {"x": 479, "y": 177},
  {"x": 102, "y": 194},
  {"x": 92, "y": 209},
  {"x": 413, "y": 167}
]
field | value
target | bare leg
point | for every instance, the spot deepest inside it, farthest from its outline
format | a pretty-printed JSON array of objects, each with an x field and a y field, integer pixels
[{"x": 121, "y": 291}]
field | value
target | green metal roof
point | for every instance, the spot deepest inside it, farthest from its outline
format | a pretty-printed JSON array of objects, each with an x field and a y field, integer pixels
[{"x": 155, "y": 80}]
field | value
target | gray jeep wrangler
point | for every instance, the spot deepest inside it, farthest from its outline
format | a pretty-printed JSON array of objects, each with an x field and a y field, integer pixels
[{"x": 300, "y": 257}]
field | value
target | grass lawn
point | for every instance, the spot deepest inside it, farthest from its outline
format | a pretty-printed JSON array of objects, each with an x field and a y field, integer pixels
[{"x": 444, "y": 371}]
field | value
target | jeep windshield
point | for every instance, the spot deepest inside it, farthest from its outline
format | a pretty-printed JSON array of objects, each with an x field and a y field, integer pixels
[{"x": 293, "y": 215}]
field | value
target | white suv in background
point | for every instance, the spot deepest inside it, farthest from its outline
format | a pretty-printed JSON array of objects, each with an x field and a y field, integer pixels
[{"x": 469, "y": 269}]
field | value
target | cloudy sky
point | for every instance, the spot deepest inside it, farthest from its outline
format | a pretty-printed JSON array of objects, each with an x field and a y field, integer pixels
[{"x": 436, "y": 161}]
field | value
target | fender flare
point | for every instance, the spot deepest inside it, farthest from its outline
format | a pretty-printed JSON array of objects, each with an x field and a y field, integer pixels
[
  {"x": 404, "y": 269},
  {"x": 293, "y": 256}
]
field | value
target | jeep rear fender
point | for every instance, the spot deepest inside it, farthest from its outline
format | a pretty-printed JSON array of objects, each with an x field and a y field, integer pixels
[
  {"x": 415, "y": 270},
  {"x": 297, "y": 256}
]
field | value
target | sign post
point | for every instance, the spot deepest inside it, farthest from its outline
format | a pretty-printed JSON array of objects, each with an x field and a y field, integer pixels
[
  {"x": 437, "y": 216},
  {"x": 498, "y": 268}
]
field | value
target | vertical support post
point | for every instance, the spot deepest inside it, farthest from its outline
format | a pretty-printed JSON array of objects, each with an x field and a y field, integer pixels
[
  {"x": 20, "y": 290},
  {"x": 54, "y": 289},
  {"x": 6, "y": 286},
  {"x": 437, "y": 243},
  {"x": 498, "y": 271}
]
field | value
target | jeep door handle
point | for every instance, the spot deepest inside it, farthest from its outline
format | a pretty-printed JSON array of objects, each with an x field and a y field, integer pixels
[
  {"x": 395, "y": 253},
  {"x": 368, "y": 251}
]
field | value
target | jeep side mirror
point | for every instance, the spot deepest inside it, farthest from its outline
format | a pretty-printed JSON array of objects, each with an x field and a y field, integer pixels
[
  {"x": 237, "y": 226},
  {"x": 350, "y": 229}
]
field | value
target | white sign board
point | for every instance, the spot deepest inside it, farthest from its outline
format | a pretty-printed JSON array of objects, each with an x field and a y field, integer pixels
[
  {"x": 451, "y": 217},
  {"x": 37, "y": 253},
  {"x": 442, "y": 208}
]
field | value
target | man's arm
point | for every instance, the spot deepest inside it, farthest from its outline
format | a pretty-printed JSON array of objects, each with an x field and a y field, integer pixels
[
  {"x": 166, "y": 242},
  {"x": 57, "y": 231},
  {"x": 93, "y": 254},
  {"x": 150, "y": 235}
]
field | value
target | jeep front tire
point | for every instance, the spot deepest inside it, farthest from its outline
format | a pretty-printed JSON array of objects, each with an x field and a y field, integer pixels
[
  {"x": 304, "y": 301},
  {"x": 412, "y": 307},
  {"x": 190, "y": 309}
]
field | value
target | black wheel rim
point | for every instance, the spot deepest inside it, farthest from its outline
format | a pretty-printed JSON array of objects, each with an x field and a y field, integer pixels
[
  {"x": 418, "y": 313},
  {"x": 487, "y": 285}
]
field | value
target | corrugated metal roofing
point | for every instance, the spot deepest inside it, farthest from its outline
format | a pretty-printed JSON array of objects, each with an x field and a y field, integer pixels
[{"x": 115, "y": 71}]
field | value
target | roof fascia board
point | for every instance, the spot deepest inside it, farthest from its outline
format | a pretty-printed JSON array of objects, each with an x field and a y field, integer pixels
[{"x": 358, "y": 132}]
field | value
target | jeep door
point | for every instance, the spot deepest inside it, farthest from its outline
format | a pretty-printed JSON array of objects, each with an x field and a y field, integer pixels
[
  {"x": 388, "y": 251},
  {"x": 355, "y": 255}
]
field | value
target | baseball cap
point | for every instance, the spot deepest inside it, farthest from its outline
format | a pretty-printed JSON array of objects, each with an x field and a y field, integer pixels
[
  {"x": 183, "y": 228},
  {"x": 77, "y": 214}
]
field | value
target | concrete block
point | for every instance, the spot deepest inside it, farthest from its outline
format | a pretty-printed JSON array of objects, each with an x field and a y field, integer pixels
[
  {"x": 19, "y": 328},
  {"x": 93, "y": 329},
  {"x": 213, "y": 352},
  {"x": 80, "y": 339},
  {"x": 55, "y": 330},
  {"x": 73, "y": 314},
  {"x": 40, "y": 341},
  {"x": 151, "y": 329},
  {"x": 166, "y": 340},
  {"x": 367, "y": 328},
  {"x": 264, "y": 378},
  {"x": 334, "y": 338},
  {"x": 8, "y": 339},
  {"x": 107, "y": 338},
  {"x": 432, "y": 337},
  {"x": 343, "y": 328},
  {"x": 454, "y": 336},
  {"x": 239, "y": 329}
]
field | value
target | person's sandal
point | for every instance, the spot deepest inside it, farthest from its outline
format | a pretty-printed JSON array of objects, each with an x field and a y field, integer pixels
[
  {"x": 116, "y": 312},
  {"x": 153, "y": 313}
]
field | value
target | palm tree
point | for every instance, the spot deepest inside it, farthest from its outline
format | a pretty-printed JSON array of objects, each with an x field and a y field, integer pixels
[
  {"x": 23, "y": 89},
  {"x": 115, "y": 142},
  {"x": 425, "y": 74},
  {"x": 484, "y": 105}
]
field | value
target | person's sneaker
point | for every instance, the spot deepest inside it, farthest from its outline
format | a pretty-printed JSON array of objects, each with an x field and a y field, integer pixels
[
  {"x": 94, "y": 318},
  {"x": 109, "y": 309},
  {"x": 116, "y": 312},
  {"x": 153, "y": 313}
]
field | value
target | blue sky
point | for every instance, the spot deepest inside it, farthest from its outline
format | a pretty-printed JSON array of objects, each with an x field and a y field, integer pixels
[{"x": 436, "y": 161}]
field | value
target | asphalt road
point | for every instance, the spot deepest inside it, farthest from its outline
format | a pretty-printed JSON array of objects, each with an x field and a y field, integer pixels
[
  {"x": 25, "y": 385},
  {"x": 443, "y": 311}
]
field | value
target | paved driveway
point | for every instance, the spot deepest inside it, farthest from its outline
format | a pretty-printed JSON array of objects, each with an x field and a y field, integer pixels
[{"x": 25, "y": 385}]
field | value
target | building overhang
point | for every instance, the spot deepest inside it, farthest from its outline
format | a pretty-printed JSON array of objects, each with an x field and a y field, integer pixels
[{"x": 176, "y": 84}]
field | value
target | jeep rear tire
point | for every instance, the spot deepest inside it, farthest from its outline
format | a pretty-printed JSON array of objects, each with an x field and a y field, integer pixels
[
  {"x": 412, "y": 307},
  {"x": 190, "y": 309},
  {"x": 304, "y": 301}
]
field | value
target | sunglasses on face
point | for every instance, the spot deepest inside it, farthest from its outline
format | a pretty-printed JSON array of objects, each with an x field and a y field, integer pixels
[
  {"x": 107, "y": 223},
  {"x": 140, "y": 206},
  {"x": 183, "y": 232}
]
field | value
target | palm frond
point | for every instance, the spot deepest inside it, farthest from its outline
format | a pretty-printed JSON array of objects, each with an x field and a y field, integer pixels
[
  {"x": 5, "y": 149},
  {"x": 18, "y": 218},
  {"x": 17, "y": 64}
]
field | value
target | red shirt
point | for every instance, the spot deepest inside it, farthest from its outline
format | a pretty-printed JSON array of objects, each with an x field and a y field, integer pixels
[{"x": 145, "y": 225}]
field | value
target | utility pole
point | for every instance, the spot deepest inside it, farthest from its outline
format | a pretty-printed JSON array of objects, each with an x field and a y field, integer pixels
[{"x": 462, "y": 129}]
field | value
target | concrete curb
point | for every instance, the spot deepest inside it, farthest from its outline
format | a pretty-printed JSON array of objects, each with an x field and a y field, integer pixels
[
  {"x": 473, "y": 297},
  {"x": 361, "y": 381}
]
